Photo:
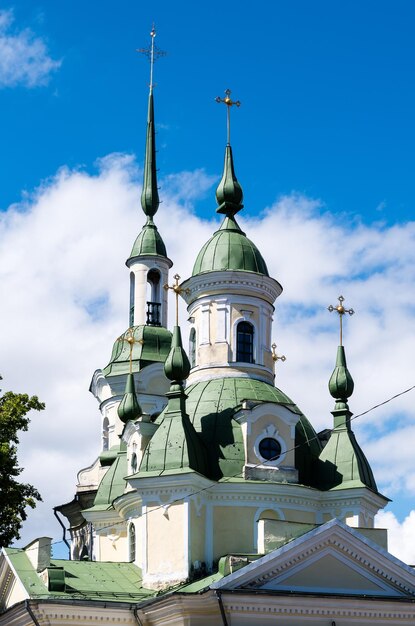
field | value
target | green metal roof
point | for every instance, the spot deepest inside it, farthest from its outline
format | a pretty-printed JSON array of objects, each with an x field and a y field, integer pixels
[
  {"x": 211, "y": 406},
  {"x": 155, "y": 346},
  {"x": 229, "y": 249},
  {"x": 343, "y": 464},
  {"x": 112, "y": 484},
  {"x": 148, "y": 242},
  {"x": 88, "y": 580}
]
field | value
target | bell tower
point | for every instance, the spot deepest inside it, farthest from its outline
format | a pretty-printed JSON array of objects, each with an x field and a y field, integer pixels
[
  {"x": 230, "y": 295},
  {"x": 148, "y": 262}
]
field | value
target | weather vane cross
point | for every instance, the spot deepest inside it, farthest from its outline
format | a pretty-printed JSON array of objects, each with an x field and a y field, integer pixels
[
  {"x": 341, "y": 310},
  {"x": 152, "y": 53},
  {"x": 131, "y": 340},
  {"x": 276, "y": 357},
  {"x": 178, "y": 291},
  {"x": 229, "y": 103}
]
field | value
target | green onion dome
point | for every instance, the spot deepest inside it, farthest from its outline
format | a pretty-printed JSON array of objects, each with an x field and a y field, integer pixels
[{"x": 230, "y": 249}]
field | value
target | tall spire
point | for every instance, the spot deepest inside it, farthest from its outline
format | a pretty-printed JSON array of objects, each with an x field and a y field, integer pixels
[
  {"x": 149, "y": 195},
  {"x": 149, "y": 241}
]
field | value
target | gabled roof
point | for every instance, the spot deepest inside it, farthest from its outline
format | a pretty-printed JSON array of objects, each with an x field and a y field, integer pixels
[{"x": 330, "y": 559}]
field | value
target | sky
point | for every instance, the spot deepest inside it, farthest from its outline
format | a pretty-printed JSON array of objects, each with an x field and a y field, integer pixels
[{"x": 323, "y": 146}]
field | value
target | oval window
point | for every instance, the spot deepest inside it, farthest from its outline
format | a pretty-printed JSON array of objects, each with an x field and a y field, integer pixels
[{"x": 269, "y": 448}]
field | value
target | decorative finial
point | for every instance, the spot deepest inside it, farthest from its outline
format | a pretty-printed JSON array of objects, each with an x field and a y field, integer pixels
[
  {"x": 131, "y": 340},
  {"x": 177, "y": 290},
  {"x": 177, "y": 365},
  {"x": 129, "y": 408},
  {"x": 341, "y": 310},
  {"x": 341, "y": 383},
  {"x": 152, "y": 53},
  {"x": 275, "y": 356},
  {"x": 229, "y": 103}
]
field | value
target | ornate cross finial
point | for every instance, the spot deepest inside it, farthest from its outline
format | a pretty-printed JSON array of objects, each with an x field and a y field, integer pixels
[
  {"x": 152, "y": 53},
  {"x": 131, "y": 340},
  {"x": 177, "y": 290},
  {"x": 275, "y": 356},
  {"x": 341, "y": 310},
  {"x": 229, "y": 103}
]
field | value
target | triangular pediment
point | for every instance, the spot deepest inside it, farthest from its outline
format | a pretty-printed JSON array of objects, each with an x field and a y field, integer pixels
[{"x": 332, "y": 558}]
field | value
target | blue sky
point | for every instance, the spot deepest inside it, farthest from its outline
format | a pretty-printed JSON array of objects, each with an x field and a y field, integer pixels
[
  {"x": 323, "y": 146},
  {"x": 326, "y": 89}
]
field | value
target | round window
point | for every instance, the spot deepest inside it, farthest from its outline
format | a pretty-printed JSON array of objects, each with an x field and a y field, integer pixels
[{"x": 269, "y": 448}]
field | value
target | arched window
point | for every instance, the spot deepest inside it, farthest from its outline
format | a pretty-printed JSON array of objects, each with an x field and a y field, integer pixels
[
  {"x": 105, "y": 434},
  {"x": 134, "y": 459},
  {"x": 131, "y": 543},
  {"x": 132, "y": 298},
  {"x": 153, "y": 298},
  {"x": 192, "y": 347},
  {"x": 245, "y": 342}
]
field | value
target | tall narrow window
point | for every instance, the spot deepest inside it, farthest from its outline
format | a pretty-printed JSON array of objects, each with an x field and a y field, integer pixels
[
  {"x": 245, "y": 342},
  {"x": 131, "y": 543},
  {"x": 192, "y": 347},
  {"x": 105, "y": 434},
  {"x": 153, "y": 298},
  {"x": 132, "y": 298}
]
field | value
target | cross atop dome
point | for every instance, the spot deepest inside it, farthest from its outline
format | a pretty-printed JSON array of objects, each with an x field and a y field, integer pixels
[
  {"x": 152, "y": 53},
  {"x": 229, "y": 103}
]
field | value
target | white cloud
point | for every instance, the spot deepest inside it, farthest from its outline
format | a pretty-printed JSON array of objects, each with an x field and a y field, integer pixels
[
  {"x": 63, "y": 251},
  {"x": 400, "y": 535},
  {"x": 24, "y": 58}
]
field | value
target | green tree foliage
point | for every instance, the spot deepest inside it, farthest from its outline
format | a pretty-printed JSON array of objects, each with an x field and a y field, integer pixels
[{"x": 14, "y": 496}]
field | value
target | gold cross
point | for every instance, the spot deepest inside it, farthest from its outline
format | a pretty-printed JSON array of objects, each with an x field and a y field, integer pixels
[
  {"x": 131, "y": 340},
  {"x": 229, "y": 103},
  {"x": 178, "y": 291},
  {"x": 275, "y": 356},
  {"x": 341, "y": 310}
]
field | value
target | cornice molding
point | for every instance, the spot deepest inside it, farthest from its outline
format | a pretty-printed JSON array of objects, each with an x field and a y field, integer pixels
[{"x": 231, "y": 282}]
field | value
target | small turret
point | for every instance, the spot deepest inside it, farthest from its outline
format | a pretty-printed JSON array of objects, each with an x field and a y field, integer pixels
[
  {"x": 175, "y": 444},
  {"x": 342, "y": 461}
]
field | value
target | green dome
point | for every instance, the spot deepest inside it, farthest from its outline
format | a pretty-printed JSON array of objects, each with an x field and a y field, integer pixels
[
  {"x": 211, "y": 406},
  {"x": 229, "y": 249},
  {"x": 149, "y": 242},
  {"x": 152, "y": 345}
]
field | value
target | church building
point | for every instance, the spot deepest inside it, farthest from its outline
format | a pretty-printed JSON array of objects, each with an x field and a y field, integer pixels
[{"x": 213, "y": 501}]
